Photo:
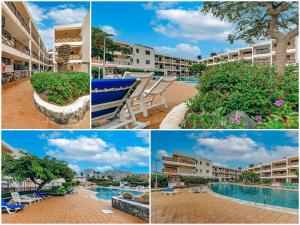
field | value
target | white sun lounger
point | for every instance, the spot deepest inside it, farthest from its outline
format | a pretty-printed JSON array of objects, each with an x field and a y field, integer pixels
[
  {"x": 158, "y": 89},
  {"x": 18, "y": 199}
]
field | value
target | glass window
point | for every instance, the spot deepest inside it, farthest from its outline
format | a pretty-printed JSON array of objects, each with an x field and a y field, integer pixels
[
  {"x": 147, "y": 52},
  {"x": 148, "y": 62}
]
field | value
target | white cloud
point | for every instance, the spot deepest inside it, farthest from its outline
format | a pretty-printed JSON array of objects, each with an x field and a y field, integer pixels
[
  {"x": 182, "y": 49},
  {"x": 94, "y": 149},
  {"x": 221, "y": 164},
  {"x": 158, "y": 5},
  {"x": 103, "y": 169},
  {"x": 200, "y": 134},
  {"x": 67, "y": 15},
  {"x": 51, "y": 135},
  {"x": 293, "y": 135},
  {"x": 191, "y": 24},
  {"x": 110, "y": 30},
  {"x": 143, "y": 134},
  {"x": 47, "y": 37},
  {"x": 38, "y": 14},
  {"x": 74, "y": 167},
  {"x": 161, "y": 153}
]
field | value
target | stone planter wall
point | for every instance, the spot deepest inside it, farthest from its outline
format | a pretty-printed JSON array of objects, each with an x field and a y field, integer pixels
[
  {"x": 68, "y": 114},
  {"x": 133, "y": 208}
]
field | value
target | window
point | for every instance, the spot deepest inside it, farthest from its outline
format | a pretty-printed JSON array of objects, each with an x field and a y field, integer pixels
[
  {"x": 137, "y": 50},
  {"x": 200, "y": 162},
  {"x": 148, "y": 62},
  {"x": 147, "y": 52},
  {"x": 207, "y": 164},
  {"x": 6, "y": 61},
  {"x": 200, "y": 170},
  {"x": 207, "y": 171},
  {"x": 137, "y": 61}
]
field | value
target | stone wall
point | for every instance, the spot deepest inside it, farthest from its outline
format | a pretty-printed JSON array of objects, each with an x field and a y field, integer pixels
[{"x": 133, "y": 208}]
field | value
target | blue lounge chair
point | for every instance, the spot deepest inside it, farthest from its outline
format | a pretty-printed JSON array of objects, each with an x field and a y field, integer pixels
[
  {"x": 109, "y": 96},
  {"x": 11, "y": 208},
  {"x": 42, "y": 195}
]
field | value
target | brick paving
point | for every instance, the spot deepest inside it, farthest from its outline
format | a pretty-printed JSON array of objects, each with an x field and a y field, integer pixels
[
  {"x": 19, "y": 111},
  {"x": 187, "y": 207},
  {"x": 176, "y": 94},
  {"x": 75, "y": 208}
]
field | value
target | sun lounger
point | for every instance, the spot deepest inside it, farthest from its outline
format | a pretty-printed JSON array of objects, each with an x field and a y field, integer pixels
[
  {"x": 158, "y": 89},
  {"x": 11, "y": 208},
  {"x": 42, "y": 195},
  {"x": 138, "y": 94},
  {"x": 17, "y": 198},
  {"x": 109, "y": 96}
]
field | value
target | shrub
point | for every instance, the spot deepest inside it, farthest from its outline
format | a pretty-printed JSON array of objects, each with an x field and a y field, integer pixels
[
  {"x": 162, "y": 180},
  {"x": 95, "y": 72},
  {"x": 266, "y": 181},
  {"x": 61, "y": 88},
  {"x": 144, "y": 198},
  {"x": 191, "y": 180},
  {"x": 253, "y": 89},
  {"x": 127, "y": 195}
]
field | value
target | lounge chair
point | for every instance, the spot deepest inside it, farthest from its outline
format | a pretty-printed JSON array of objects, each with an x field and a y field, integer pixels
[
  {"x": 11, "y": 208},
  {"x": 42, "y": 195},
  {"x": 109, "y": 96},
  {"x": 138, "y": 94},
  {"x": 158, "y": 89},
  {"x": 17, "y": 198}
]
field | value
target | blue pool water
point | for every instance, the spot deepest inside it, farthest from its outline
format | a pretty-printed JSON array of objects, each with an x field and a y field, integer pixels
[
  {"x": 282, "y": 198},
  {"x": 108, "y": 193},
  {"x": 189, "y": 80}
]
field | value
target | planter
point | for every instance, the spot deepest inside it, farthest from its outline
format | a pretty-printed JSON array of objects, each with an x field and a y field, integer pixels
[
  {"x": 68, "y": 114},
  {"x": 174, "y": 118},
  {"x": 133, "y": 208}
]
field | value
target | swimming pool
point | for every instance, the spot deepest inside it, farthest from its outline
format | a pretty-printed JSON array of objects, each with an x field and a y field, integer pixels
[
  {"x": 282, "y": 198},
  {"x": 189, "y": 80},
  {"x": 107, "y": 193}
]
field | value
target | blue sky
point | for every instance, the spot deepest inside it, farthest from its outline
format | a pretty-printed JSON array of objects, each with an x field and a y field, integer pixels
[
  {"x": 49, "y": 14},
  {"x": 226, "y": 148},
  {"x": 100, "y": 150},
  {"x": 173, "y": 28}
]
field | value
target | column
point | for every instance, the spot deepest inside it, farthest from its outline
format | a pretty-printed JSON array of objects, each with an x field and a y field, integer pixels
[{"x": 30, "y": 60}]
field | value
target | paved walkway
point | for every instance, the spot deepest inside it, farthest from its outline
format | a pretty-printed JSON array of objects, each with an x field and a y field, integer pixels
[
  {"x": 178, "y": 93},
  {"x": 79, "y": 208},
  {"x": 19, "y": 111},
  {"x": 187, "y": 207}
]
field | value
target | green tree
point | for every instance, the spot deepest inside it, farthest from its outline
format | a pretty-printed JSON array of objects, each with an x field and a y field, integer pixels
[
  {"x": 199, "y": 57},
  {"x": 213, "y": 54},
  {"x": 39, "y": 170},
  {"x": 257, "y": 20},
  {"x": 248, "y": 176},
  {"x": 197, "y": 69},
  {"x": 63, "y": 57},
  {"x": 98, "y": 37},
  {"x": 162, "y": 180},
  {"x": 297, "y": 172}
]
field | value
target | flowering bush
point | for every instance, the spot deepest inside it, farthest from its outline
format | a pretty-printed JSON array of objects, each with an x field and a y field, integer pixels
[{"x": 267, "y": 98}]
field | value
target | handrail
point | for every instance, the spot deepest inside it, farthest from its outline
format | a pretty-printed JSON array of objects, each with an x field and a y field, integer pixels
[
  {"x": 14, "y": 10},
  {"x": 10, "y": 40}
]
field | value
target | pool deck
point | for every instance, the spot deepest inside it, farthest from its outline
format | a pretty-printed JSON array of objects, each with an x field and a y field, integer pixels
[
  {"x": 186, "y": 207},
  {"x": 20, "y": 112},
  {"x": 73, "y": 208},
  {"x": 176, "y": 94}
]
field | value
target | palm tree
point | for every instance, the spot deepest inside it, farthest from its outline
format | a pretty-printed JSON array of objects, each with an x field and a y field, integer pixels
[
  {"x": 213, "y": 54},
  {"x": 199, "y": 57},
  {"x": 63, "y": 57}
]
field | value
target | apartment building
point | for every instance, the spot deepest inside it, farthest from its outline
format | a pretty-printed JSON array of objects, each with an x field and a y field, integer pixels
[
  {"x": 143, "y": 57},
  {"x": 23, "y": 50},
  {"x": 261, "y": 53},
  {"x": 281, "y": 171},
  {"x": 172, "y": 66},
  {"x": 225, "y": 174},
  {"x": 87, "y": 173},
  {"x": 77, "y": 36},
  {"x": 8, "y": 184}
]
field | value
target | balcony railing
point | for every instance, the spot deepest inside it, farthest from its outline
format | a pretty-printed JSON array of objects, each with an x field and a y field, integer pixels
[
  {"x": 35, "y": 39},
  {"x": 68, "y": 39},
  {"x": 35, "y": 55},
  {"x": 10, "y": 40},
  {"x": 13, "y": 76},
  {"x": 14, "y": 10},
  {"x": 246, "y": 54},
  {"x": 75, "y": 57},
  {"x": 262, "y": 51}
]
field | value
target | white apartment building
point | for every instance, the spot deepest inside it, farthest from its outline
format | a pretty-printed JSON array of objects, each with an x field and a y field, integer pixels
[
  {"x": 23, "y": 50},
  {"x": 77, "y": 36},
  {"x": 260, "y": 53},
  {"x": 143, "y": 57},
  {"x": 281, "y": 171},
  {"x": 225, "y": 173},
  {"x": 8, "y": 184},
  {"x": 87, "y": 173}
]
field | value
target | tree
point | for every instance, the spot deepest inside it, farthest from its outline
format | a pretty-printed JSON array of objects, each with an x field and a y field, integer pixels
[
  {"x": 63, "y": 57},
  {"x": 98, "y": 37},
  {"x": 197, "y": 69},
  {"x": 240, "y": 168},
  {"x": 248, "y": 176},
  {"x": 213, "y": 54},
  {"x": 39, "y": 170},
  {"x": 251, "y": 165},
  {"x": 258, "y": 20},
  {"x": 199, "y": 57},
  {"x": 297, "y": 172}
]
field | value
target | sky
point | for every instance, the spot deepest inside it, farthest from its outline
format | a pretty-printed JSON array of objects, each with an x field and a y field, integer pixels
[
  {"x": 99, "y": 150},
  {"x": 172, "y": 28},
  {"x": 225, "y": 148},
  {"x": 46, "y": 15}
]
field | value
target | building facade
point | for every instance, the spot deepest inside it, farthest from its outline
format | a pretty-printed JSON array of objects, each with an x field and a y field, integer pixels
[
  {"x": 280, "y": 171},
  {"x": 261, "y": 53},
  {"x": 23, "y": 50},
  {"x": 77, "y": 36},
  {"x": 225, "y": 174}
]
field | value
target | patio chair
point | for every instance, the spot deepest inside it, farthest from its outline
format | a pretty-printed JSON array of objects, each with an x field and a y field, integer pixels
[
  {"x": 11, "y": 208},
  {"x": 138, "y": 94},
  {"x": 109, "y": 96},
  {"x": 158, "y": 89},
  {"x": 17, "y": 198},
  {"x": 42, "y": 195}
]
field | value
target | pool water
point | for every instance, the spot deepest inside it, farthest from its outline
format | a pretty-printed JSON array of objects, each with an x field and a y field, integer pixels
[
  {"x": 189, "y": 80},
  {"x": 269, "y": 196},
  {"x": 107, "y": 193}
]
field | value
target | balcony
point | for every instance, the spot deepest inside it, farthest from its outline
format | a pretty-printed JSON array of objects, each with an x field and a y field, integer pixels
[
  {"x": 14, "y": 10},
  {"x": 247, "y": 54},
  {"x": 262, "y": 51},
  {"x": 68, "y": 39},
  {"x": 175, "y": 161},
  {"x": 75, "y": 57},
  {"x": 11, "y": 41},
  {"x": 35, "y": 39},
  {"x": 35, "y": 55}
]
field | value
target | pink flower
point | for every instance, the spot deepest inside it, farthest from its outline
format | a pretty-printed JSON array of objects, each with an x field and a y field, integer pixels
[
  {"x": 236, "y": 121},
  {"x": 258, "y": 117},
  {"x": 223, "y": 123},
  {"x": 279, "y": 102},
  {"x": 237, "y": 115},
  {"x": 201, "y": 113},
  {"x": 213, "y": 113}
]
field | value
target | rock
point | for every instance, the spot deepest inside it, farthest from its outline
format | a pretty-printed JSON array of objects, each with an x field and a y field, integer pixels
[
  {"x": 174, "y": 118},
  {"x": 243, "y": 117}
]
